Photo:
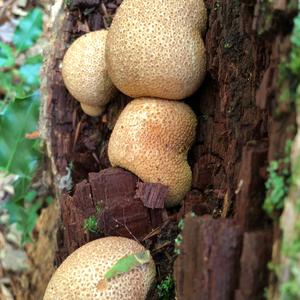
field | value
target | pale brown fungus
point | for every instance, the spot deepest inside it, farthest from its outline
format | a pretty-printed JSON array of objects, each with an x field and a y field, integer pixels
[
  {"x": 81, "y": 275},
  {"x": 85, "y": 75},
  {"x": 151, "y": 139},
  {"x": 155, "y": 49}
]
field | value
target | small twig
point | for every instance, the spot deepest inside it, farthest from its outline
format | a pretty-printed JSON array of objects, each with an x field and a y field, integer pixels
[
  {"x": 226, "y": 206},
  {"x": 106, "y": 15},
  {"x": 126, "y": 229},
  {"x": 103, "y": 7},
  {"x": 77, "y": 133},
  {"x": 96, "y": 158},
  {"x": 105, "y": 23},
  {"x": 164, "y": 245},
  {"x": 74, "y": 117},
  {"x": 154, "y": 232}
]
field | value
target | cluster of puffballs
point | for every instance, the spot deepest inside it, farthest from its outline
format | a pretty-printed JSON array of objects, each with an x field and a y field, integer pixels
[{"x": 154, "y": 53}]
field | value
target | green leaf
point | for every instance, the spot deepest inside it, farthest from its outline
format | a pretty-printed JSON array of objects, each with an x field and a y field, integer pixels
[
  {"x": 2, "y": 105},
  {"x": 28, "y": 30},
  {"x": 6, "y": 82},
  {"x": 49, "y": 200},
  {"x": 30, "y": 73},
  {"x": 21, "y": 186},
  {"x": 90, "y": 224},
  {"x": 36, "y": 59},
  {"x": 124, "y": 265},
  {"x": 6, "y": 56},
  {"x": 30, "y": 196},
  {"x": 127, "y": 263},
  {"x": 18, "y": 154},
  {"x": 23, "y": 82},
  {"x": 25, "y": 218},
  {"x": 20, "y": 90},
  {"x": 166, "y": 288}
]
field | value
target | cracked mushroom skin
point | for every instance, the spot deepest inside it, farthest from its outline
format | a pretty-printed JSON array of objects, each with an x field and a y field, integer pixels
[
  {"x": 85, "y": 74},
  {"x": 154, "y": 48},
  {"x": 151, "y": 139},
  {"x": 79, "y": 275}
]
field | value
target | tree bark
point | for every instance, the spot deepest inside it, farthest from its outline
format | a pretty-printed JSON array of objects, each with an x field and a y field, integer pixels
[{"x": 241, "y": 128}]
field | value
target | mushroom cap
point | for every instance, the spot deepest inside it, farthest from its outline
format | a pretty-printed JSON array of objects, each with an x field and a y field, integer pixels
[
  {"x": 84, "y": 70},
  {"x": 92, "y": 111},
  {"x": 154, "y": 48},
  {"x": 79, "y": 275},
  {"x": 151, "y": 139}
]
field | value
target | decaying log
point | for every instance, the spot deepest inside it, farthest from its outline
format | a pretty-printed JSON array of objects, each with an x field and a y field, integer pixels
[
  {"x": 251, "y": 190},
  {"x": 207, "y": 266},
  {"x": 218, "y": 262},
  {"x": 237, "y": 133},
  {"x": 253, "y": 265},
  {"x": 152, "y": 194},
  {"x": 241, "y": 131},
  {"x": 110, "y": 198}
]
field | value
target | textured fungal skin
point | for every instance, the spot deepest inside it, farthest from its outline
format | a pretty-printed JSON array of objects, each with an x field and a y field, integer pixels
[
  {"x": 151, "y": 139},
  {"x": 92, "y": 111},
  {"x": 78, "y": 276},
  {"x": 85, "y": 74},
  {"x": 155, "y": 49}
]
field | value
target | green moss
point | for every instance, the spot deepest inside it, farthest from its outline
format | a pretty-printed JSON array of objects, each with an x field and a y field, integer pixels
[
  {"x": 98, "y": 209},
  {"x": 217, "y": 5},
  {"x": 90, "y": 224},
  {"x": 278, "y": 181},
  {"x": 294, "y": 62},
  {"x": 290, "y": 286},
  {"x": 227, "y": 45},
  {"x": 289, "y": 84},
  {"x": 166, "y": 288},
  {"x": 179, "y": 237}
]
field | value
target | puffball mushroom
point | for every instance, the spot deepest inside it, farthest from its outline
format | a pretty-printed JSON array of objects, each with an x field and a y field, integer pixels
[
  {"x": 151, "y": 139},
  {"x": 154, "y": 48},
  {"x": 80, "y": 275},
  {"x": 85, "y": 75}
]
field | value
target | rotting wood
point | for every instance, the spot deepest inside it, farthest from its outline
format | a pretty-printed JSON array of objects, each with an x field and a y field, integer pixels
[
  {"x": 254, "y": 270},
  {"x": 153, "y": 195},
  {"x": 249, "y": 201},
  {"x": 109, "y": 197},
  {"x": 207, "y": 266},
  {"x": 231, "y": 110},
  {"x": 239, "y": 133},
  {"x": 195, "y": 202},
  {"x": 218, "y": 261}
]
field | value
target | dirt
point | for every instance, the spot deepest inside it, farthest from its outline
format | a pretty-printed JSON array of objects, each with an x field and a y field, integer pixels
[{"x": 238, "y": 134}]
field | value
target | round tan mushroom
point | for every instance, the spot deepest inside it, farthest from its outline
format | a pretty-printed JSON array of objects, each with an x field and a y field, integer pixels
[
  {"x": 85, "y": 75},
  {"x": 151, "y": 139},
  {"x": 155, "y": 49},
  {"x": 80, "y": 275}
]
